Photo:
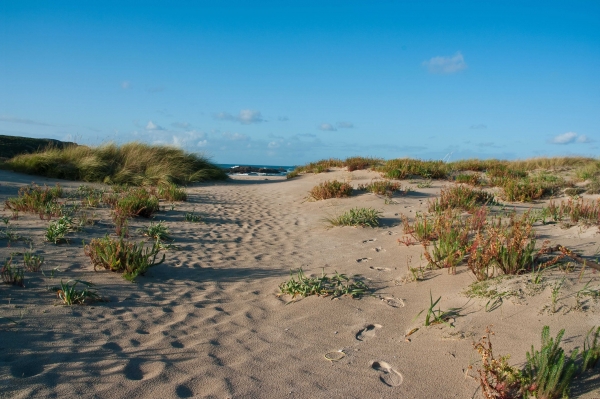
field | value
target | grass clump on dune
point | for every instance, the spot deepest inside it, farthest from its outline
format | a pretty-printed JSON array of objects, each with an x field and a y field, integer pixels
[
  {"x": 357, "y": 217},
  {"x": 35, "y": 199},
  {"x": 132, "y": 163},
  {"x": 335, "y": 286},
  {"x": 381, "y": 187},
  {"x": 406, "y": 167},
  {"x": 548, "y": 373},
  {"x": 331, "y": 189},
  {"x": 119, "y": 255},
  {"x": 460, "y": 197}
]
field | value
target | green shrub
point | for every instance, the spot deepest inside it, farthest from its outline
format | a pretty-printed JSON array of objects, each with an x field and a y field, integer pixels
[
  {"x": 132, "y": 163},
  {"x": 156, "y": 231},
  {"x": 335, "y": 286},
  {"x": 470, "y": 179},
  {"x": 170, "y": 192},
  {"x": 137, "y": 202},
  {"x": 593, "y": 187},
  {"x": 36, "y": 199},
  {"x": 331, "y": 189},
  {"x": 508, "y": 249},
  {"x": 381, "y": 187},
  {"x": 57, "y": 229},
  {"x": 359, "y": 163},
  {"x": 71, "y": 295},
  {"x": 192, "y": 217},
  {"x": 403, "y": 168},
  {"x": 32, "y": 262},
  {"x": 317, "y": 167},
  {"x": 460, "y": 197},
  {"x": 119, "y": 255},
  {"x": 12, "y": 274},
  {"x": 292, "y": 174},
  {"x": 530, "y": 188},
  {"x": 548, "y": 372},
  {"x": 357, "y": 217}
]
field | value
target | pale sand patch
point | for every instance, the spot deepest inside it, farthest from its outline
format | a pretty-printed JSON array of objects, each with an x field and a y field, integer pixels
[{"x": 207, "y": 323}]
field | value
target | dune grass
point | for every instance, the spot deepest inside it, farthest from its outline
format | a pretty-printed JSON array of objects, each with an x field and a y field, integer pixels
[
  {"x": 331, "y": 189},
  {"x": 357, "y": 217},
  {"x": 133, "y": 163}
]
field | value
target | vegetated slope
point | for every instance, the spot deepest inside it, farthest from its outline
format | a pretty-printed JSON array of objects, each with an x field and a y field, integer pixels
[
  {"x": 132, "y": 163},
  {"x": 11, "y": 146}
]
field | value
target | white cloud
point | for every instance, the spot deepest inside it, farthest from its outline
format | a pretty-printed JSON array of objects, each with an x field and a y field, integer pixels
[
  {"x": 202, "y": 143},
  {"x": 274, "y": 144},
  {"x": 584, "y": 139},
  {"x": 446, "y": 64},
  {"x": 152, "y": 126},
  {"x": 328, "y": 127},
  {"x": 126, "y": 84},
  {"x": 345, "y": 125},
  {"x": 246, "y": 117},
  {"x": 565, "y": 138}
]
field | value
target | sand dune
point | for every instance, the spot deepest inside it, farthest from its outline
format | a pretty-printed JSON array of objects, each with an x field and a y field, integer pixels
[{"x": 207, "y": 323}]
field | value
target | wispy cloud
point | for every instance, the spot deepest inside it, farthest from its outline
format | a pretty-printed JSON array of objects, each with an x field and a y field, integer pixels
[
  {"x": 446, "y": 64},
  {"x": 345, "y": 125},
  {"x": 327, "y": 127},
  {"x": 283, "y": 119},
  {"x": 181, "y": 125},
  {"x": 570, "y": 138},
  {"x": 235, "y": 136},
  {"x": 479, "y": 126},
  {"x": 156, "y": 89},
  {"x": 246, "y": 117},
  {"x": 152, "y": 126},
  {"x": 584, "y": 139},
  {"x": 12, "y": 119}
]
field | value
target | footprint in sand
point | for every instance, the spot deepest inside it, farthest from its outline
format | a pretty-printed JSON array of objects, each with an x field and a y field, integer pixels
[
  {"x": 378, "y": 249},
  {"x": 368, "y": 241},
  {"x": 363, "y": 260},
  {"x": 367, "y": 331},
  {"x": 388, "y": 375},
  {"x": 379, "y": 269},
  {"x": 393, "y": 302}
]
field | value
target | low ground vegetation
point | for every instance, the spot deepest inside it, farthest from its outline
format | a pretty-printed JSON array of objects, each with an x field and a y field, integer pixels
[
  {"x": 119, "y": 255},
  {"x": 548, "y": 372},
  {"x": 331, "y": 189},
  {"x": 358, "y": 217},
  {"x": 325, "y": 286},
  {"x": 381, "y": 187}
]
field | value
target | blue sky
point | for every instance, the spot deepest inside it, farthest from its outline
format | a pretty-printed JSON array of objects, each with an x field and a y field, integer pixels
[{"x": 284, "y": 83}]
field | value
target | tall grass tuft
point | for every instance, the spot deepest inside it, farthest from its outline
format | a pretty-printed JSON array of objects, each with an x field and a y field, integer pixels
[
  {"x": 119, "y": 255},
  {"x": 381, "y": 187},
  {"x": 357, "y": 217},
  {"x": 331, "y": 189},
  {"x": 406, "y": 167},
  {"x": 132, "y": 163},
  {"x": 460, "y": 197}
]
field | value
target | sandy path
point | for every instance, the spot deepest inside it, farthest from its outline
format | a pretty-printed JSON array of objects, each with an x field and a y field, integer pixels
[{"x": 207, "y": 322}]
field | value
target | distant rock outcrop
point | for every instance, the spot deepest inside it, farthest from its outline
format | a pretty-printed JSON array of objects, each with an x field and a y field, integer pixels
[
  {"x": 11, "y": 146},
  {"x": 252, "y": 169}
]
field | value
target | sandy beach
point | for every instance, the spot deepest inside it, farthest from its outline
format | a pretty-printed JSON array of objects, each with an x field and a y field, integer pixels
[{"x": 208, "y": 323}]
